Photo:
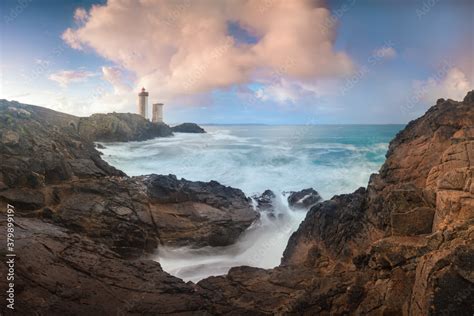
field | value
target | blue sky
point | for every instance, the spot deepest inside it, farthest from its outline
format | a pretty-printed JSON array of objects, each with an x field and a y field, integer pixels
[{"x": 404, "y": 55}]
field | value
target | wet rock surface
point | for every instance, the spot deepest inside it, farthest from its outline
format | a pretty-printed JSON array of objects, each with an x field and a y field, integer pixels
[
  {"x": 264, "y": 202},
  {"x": 304, "y": 199},
  {"x": 402, "y": 246}
]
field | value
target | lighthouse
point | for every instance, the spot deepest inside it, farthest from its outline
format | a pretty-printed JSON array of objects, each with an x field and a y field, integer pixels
[{"x": 143, "y": 103}]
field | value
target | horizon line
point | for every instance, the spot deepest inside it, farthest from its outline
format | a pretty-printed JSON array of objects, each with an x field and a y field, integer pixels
[{"x": 285, "y": 124}]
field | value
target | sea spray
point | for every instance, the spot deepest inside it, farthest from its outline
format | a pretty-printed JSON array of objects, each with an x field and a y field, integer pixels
[{"x": 260, "y": 246}]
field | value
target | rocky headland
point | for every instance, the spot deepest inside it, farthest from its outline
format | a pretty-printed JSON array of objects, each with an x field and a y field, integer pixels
[
  {"x": 111, "y": 127},
  {"x": 120, "y": 127},
  {"x": 404, "y": 245}
]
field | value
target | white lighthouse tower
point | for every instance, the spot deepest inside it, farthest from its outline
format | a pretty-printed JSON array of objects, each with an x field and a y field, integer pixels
[{"x": 143, "y": 103}]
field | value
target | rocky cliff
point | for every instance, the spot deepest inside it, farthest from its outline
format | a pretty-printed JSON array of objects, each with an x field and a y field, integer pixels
[{"x": 404, "y": 245}]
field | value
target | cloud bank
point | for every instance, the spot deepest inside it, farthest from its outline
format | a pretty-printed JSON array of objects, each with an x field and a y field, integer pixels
[{"x": 185, "y": 47}]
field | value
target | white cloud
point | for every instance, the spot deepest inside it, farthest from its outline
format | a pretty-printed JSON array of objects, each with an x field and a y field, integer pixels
[
  {"x": 282, "y": 92},
  {"x": 286, "y": 91},
  {"x": 65, "y": 77},
  {"x": 184, "y": 47},
  {"x": 448, "y": 83}
]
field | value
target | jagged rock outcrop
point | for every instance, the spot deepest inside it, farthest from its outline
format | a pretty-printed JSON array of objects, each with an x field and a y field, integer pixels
[
  {"x": 331, "y": 228},
  {"x": 188, "y": 128}
]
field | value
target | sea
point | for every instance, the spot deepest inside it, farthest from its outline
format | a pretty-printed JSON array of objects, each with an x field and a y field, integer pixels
[{"x": 332, "y": 159}]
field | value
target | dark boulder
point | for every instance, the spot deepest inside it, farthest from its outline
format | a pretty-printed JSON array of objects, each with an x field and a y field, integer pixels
[
  {"x": 265, "y": 200},
  {"x": 197, "y": 213},
  {"x": 188, "y": 128},
  {"x": 304, "y": 199}
]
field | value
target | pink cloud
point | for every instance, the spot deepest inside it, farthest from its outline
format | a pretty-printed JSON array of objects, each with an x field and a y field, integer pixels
[
  {"x": 65, "y": 77},
  {"x": 184, "y": 47},
  {"x": 80, "y": 15},
  {"x": 71, "y": 38},
  {"x": 116, "y": 77}
]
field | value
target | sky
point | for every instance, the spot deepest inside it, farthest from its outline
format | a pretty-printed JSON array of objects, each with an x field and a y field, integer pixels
[{"x": 238, "y": 61}]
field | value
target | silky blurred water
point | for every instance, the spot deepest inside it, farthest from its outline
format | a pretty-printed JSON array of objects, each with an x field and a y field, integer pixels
[{"x": 333, "y": 159}]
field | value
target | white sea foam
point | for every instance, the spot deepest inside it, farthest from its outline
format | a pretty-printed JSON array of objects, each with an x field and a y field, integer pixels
[
  {"x": 255, "y": 158},
  {"x": 261, "y": 246}
]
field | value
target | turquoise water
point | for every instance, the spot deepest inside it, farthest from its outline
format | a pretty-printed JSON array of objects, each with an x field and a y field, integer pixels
[{"x": 332, "y": 159}]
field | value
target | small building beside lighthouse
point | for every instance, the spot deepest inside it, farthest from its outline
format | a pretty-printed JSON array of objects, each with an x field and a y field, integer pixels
[
  {"x": 157, "y": 113},
  {"x": 143, "y": 103}
]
